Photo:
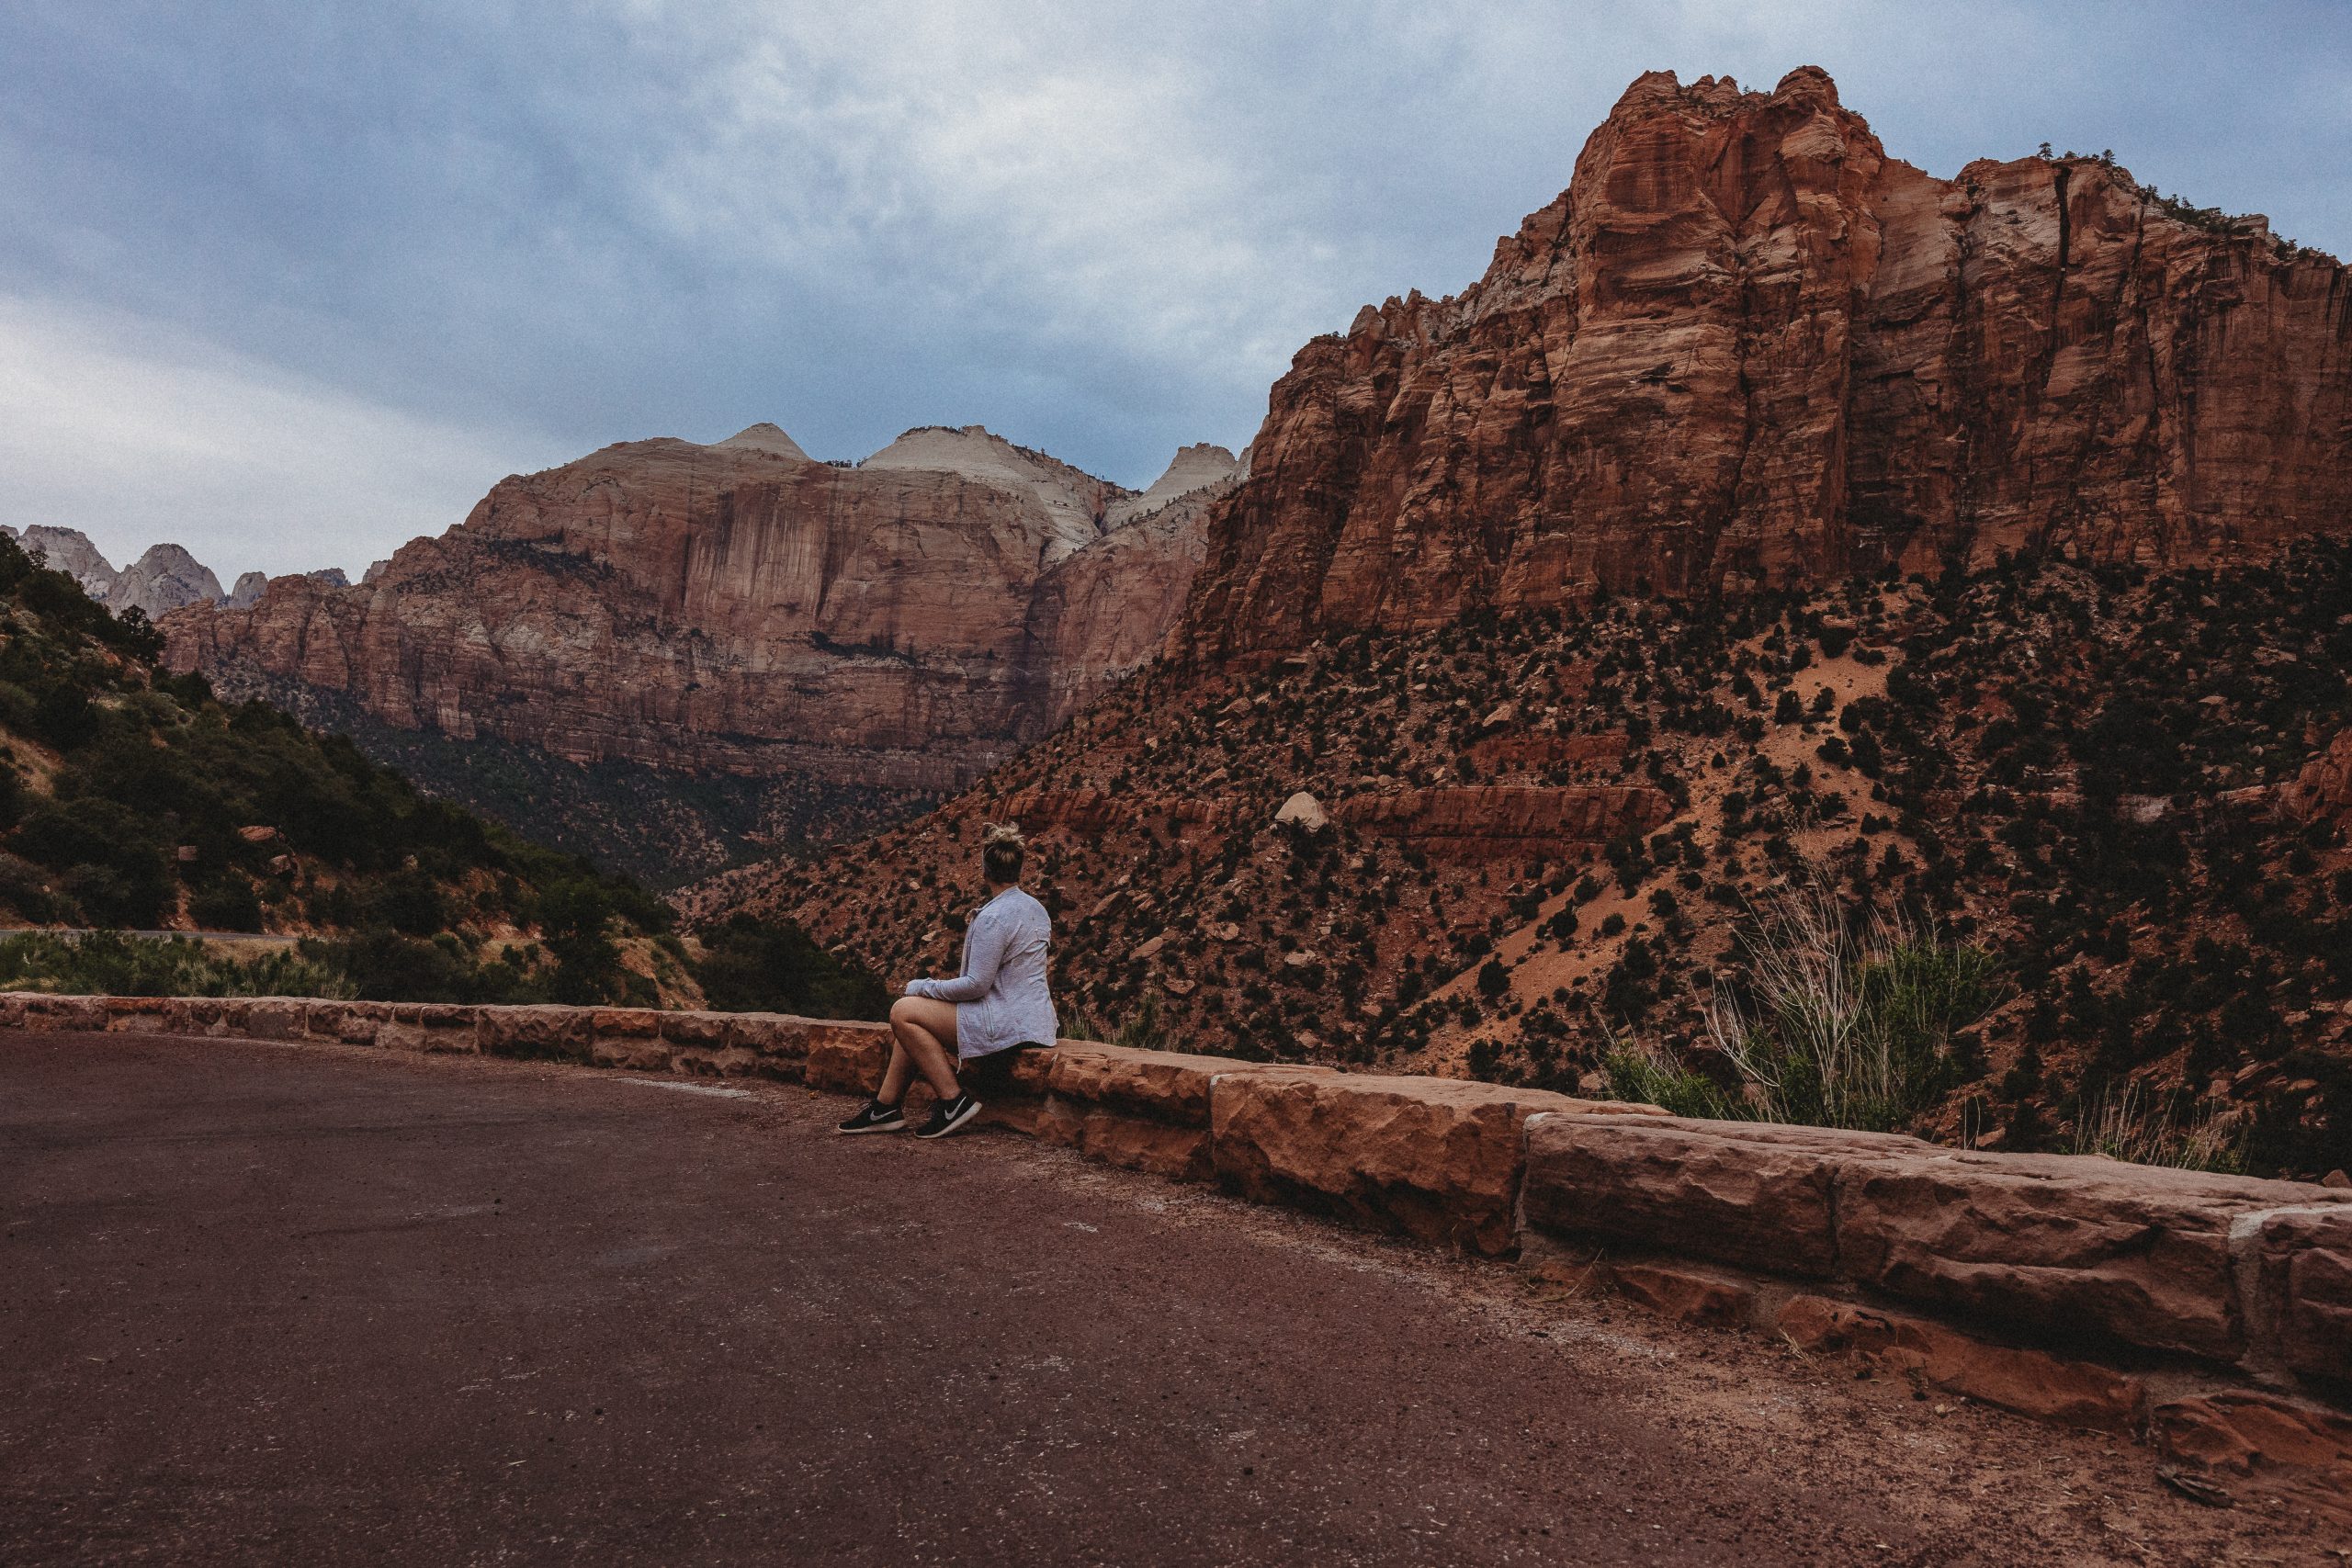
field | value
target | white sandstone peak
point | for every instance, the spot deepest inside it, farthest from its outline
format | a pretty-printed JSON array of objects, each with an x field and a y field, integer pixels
[
  {"x": 1075, "y": 501},
  {"x": 765, "y": 438},
  {"x": 1193, "y": 467}
]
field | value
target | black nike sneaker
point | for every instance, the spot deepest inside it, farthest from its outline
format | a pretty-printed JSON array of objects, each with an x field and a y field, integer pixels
[
  {"x": 948, "y": 1115},
  {"x": 875, "y": 1117}
]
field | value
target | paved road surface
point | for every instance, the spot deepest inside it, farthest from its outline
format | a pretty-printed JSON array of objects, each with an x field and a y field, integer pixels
[{"x": 310, "y": 1305}]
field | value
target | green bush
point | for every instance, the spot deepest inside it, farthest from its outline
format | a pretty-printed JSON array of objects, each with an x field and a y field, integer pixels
[
  {"x": 753, "y": 966},
  {"x": 107, "y": 964}
]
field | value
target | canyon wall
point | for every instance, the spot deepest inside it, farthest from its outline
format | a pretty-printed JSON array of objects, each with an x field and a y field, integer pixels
[
  {"x": 1746, "y": 347},
  {"x": 741, "y": 608}
]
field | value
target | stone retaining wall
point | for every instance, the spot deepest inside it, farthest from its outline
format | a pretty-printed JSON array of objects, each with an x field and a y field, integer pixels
[{"x": 2213, "y": 1314}]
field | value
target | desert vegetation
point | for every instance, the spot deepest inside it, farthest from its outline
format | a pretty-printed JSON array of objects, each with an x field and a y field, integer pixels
[
  {"x": 132, "y": 799},
  {"x": 2049, "y": 797}
]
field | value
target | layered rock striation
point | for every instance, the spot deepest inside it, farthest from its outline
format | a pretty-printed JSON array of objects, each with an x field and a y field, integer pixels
[
  {"x": 1746, "y": 347},
  {"x": 741, "y": 607}
]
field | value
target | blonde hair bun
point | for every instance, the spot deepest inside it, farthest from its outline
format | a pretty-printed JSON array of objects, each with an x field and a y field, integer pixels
[{"x": 1003, "y": 833}]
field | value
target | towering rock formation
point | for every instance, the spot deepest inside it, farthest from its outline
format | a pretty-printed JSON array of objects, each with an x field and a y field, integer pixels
[
  {"x": 69, "y": 550},
  {"x": 739, "y": 608},
  {"x": 164, "y": 579},
  {"x": 1748, "y": 347}
]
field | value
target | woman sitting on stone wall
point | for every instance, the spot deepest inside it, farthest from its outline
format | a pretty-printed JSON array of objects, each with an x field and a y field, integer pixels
[{"x": 999, "y": 1003}]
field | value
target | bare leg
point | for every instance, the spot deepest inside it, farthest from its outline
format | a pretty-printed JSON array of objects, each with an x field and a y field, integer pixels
[{"x": 923, "y": 1038}]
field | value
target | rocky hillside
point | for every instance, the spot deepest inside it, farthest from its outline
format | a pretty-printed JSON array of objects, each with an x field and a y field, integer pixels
[
  {"x": 1747, "y": 348},
  {"x": 1775, "y": 532},
  {"x": 132, "y": 799},
  {"x": 859, "y": 636},
  {"x": 1510, "y": 847}
]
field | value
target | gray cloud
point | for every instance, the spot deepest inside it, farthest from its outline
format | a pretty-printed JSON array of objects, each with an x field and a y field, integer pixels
[{"x": 305, "y": 280}]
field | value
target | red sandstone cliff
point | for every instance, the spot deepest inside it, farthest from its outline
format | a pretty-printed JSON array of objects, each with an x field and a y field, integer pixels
[
  {"x": 741, "y": 607},
  {"x": 1747, "y": 347}
]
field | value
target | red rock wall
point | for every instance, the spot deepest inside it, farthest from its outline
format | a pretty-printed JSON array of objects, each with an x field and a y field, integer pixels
[
  {"x": 1748, "y": 347},
  {"x": 735, "y": 608}
]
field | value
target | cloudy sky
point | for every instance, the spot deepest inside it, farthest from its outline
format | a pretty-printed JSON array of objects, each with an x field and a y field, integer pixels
[{"x": 292, "y": 282}]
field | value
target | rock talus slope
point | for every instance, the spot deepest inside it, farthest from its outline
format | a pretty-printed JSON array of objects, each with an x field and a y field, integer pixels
[
  {"x": 741, "y": 607},
  {"x": 1747, "y": 347}
]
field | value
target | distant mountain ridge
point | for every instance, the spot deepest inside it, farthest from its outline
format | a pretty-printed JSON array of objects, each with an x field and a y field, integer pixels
[
  {"x": 892, "y": 626},
  {"x": 164, "y": 579}
]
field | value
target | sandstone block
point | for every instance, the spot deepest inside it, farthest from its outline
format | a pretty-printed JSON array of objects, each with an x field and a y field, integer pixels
[
  {"x": 1731, "y": 1192},
  {"x": 692, "y": 1028},
  {"x": 352, "y": 1023},
  {"x": 779, "y": 1041},
  {"x": 541, "y": 1033},
  {"x": 630, "y": 1053},
  {"x": 1436, "y": 1159},
  {"x": 847, "y": 1058},
  {"x": 1170, "y": 1085},
  {"x": 715, "y": 1061},
  {"x": 276, "y": 1018},
  {"x": 775, "y": 1044},
  {"x": 1692, "y": 1295},
  {"x": 2062, "y": 1246},
  {"x": 218, "y": 1015},
  {"x": 2027, "y": 1381},
  {"x": 1022, "y": 1113},
  {"x": 146, "y": 1015},
  {"x": 1134, "y": 1143},
  {"x": 437, "y": 1027},
  {"x": 2303, "y": 1262},
  {"x": 629, "y": 1038},
  {"x": 42, "y": 1011}
]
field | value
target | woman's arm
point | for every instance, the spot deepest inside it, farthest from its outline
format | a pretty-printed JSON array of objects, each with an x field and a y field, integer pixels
[{"x": 990, "y": 934}]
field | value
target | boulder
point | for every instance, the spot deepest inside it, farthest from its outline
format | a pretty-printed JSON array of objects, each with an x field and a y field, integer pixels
[
  {"x": 1304, "y": 810},
  {"x": 1436, "y": 1159},
  {"x": 2322, "y": 790}
]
